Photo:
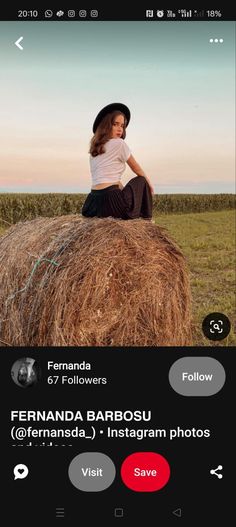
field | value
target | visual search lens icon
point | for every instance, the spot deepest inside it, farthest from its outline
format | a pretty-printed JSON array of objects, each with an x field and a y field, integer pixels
[{"x": 216, "y": 326}]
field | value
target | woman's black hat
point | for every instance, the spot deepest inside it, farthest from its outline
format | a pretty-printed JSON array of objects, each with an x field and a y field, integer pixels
[{"x": 115, "y": 106}]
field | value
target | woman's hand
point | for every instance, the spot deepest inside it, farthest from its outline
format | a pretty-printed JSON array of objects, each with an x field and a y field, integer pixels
[
  {"x": 152, "y": 189},
  {"x": 150, "y": 185}
]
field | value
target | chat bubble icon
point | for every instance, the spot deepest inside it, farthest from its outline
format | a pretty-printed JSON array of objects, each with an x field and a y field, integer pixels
[{"x": 20, "y": 471}]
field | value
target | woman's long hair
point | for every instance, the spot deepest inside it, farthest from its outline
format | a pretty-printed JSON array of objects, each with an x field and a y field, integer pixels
[{"x": 103, "y": 133}]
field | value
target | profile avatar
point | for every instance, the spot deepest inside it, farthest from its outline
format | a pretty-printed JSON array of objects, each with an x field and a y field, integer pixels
[{"x": 25, "y": 372}]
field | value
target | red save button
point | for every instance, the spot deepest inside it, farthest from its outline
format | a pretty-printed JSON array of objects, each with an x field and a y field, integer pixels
[{"x": 145, "y": 471}]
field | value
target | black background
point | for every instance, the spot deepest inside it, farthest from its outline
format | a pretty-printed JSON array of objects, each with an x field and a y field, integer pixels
[
  {"x": 113, "y": 11},
  {"x": 137, "y": 379}
]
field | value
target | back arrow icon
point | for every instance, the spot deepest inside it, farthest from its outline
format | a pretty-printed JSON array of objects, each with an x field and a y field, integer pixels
[{"x": 17, "y": 43}]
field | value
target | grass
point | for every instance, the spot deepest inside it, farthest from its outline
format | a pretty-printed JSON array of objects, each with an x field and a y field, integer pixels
[{"x": 207, "y": 239}]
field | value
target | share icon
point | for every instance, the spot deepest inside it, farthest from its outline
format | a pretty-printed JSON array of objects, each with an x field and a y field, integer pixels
[{"x": 214, "y": 471}]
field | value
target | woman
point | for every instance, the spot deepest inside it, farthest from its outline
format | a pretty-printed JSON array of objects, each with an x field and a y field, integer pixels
[
  {"x": 27, "y": 374},
  {"x": 108, "y": 155}
]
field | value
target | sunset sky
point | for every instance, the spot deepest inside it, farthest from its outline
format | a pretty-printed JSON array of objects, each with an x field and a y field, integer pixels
[{"x": 179, "y": 88}]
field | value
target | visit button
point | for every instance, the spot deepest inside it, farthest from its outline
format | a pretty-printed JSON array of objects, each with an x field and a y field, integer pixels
[{"x": 197, "y": 376}]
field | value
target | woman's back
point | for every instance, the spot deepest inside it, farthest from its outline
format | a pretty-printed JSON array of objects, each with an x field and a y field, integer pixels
[{"x": 109, "y": 167}]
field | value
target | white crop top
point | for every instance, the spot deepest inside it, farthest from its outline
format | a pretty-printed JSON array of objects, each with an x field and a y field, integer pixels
[{"x": 109, "y": 167}]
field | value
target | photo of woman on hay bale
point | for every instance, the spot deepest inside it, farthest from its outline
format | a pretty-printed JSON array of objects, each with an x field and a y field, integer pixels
[
  {"x": 97, "y": 279},
  {"x": 108, "y": 155},
  {"x": 117, "y": 198}
]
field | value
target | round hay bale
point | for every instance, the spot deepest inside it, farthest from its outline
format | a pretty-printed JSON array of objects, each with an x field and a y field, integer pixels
[{"x": 74, "y": 281}]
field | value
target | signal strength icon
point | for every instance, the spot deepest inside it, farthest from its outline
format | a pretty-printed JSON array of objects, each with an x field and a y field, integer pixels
[
  {"x": 184, "y": 13},
  {"x": 199, "y": 14}
]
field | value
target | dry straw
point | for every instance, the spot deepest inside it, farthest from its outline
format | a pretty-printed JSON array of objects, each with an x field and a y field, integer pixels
[{"x": 72, "y": 281}]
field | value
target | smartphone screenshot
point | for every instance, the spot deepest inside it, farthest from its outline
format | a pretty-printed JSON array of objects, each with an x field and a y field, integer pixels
[{"x": 117, "y": 265}]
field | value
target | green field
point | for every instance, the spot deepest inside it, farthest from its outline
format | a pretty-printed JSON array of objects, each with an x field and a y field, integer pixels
[
  {"x": 18, "y": 207},
  {"x": 207, "y": 239}
]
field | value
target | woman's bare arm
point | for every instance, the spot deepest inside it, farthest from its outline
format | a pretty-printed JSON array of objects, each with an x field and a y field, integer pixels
[{"x": 136, "y": 168}]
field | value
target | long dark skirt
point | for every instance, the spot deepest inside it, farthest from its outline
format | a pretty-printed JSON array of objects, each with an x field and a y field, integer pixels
[{"x": 133, "y": 201}]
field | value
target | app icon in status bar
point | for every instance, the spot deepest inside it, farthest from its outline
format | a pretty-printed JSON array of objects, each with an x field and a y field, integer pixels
[
  {"x": 48, "y": 13},
  {"x": 71, "y": 13},
  {"x": 93, "y": 13}
]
